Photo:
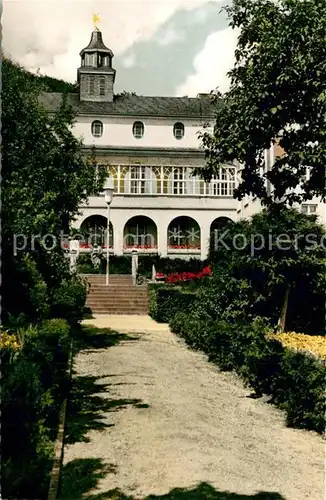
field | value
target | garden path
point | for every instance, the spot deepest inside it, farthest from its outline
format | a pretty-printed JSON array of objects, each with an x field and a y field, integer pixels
[{"x": 149, "y": 415}]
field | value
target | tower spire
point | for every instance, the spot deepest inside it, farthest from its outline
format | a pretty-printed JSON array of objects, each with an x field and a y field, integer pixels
[{"x": 95, "y": 74}]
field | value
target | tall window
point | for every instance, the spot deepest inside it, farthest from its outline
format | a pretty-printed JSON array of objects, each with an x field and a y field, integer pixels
[
  {"x": 91, "y": 84},
  {"x": 178, "y": 181},
  {"x": 138, "y": 130},
  {"x": 179, "y": 130},
  {"x": 97, "y": 128},
  {"x": 224, "y": 183},
  {"x": 182, "y": 181},
  {"x": 141, "y": 180},
  {"x": 137, "y": 180},
  {"x": 102, "y": 85}
]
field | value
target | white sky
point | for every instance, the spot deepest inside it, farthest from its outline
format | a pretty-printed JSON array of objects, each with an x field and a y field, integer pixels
[{"x": 49, "y": 35}]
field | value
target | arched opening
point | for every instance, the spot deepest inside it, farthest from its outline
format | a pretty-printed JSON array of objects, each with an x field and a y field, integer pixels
[
  {"x": 220, "y": 223},
  {"x": 183, "y": 233},
  {"x": 218, "y": 226},
  {"x": 94, "y": 232},
  {"x": 140, "y": 232}
]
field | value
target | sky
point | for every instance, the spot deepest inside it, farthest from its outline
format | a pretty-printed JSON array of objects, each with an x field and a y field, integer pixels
[{"x": 161, "y": 47}]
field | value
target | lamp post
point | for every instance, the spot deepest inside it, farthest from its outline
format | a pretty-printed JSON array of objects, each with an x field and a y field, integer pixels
[{"x": 108, "y": 196}]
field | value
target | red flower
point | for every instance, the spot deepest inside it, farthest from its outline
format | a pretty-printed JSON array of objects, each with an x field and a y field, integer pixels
[{"x": 160, "y": 275}]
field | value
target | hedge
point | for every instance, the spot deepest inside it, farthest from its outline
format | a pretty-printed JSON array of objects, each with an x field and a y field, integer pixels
[
  {"x": 121, "y": 264},
  {"x": 34, "y": 384},
  {"x": 165, "y": 301},
  {"x": 294, "y": 381}
]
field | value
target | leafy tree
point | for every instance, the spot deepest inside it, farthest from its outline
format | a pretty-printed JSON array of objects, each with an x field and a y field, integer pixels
[
  {"x": 277, "y": 93},
  {"x": 279, "y": 257},
  {"x": 45, "y": 178}
]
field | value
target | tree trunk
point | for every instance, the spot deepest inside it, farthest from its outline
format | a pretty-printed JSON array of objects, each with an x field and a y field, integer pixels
[{"x": 281, "y": 322}]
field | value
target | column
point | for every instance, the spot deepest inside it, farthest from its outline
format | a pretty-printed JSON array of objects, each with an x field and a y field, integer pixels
[
  {"x": 117, "y": 234},
  {"x": 162, "y": 243},
  {"x": 204, "y": 240}
]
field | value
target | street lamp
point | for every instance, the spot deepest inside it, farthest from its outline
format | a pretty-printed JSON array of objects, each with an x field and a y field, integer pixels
[{"x": 108, "y": 196}]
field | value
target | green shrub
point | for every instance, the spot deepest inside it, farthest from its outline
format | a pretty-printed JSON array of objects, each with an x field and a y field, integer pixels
[
  {"x": 34, "y": 383},
  {"x": 119, "y": 264},
  {"x": 165, "y": 301},
  {"x": 69, "y": 299},
  {"x": 24, "y": 291},
  {"x": 167, "y": 265},
  {"x": 300, "y": 390},
  {"x": 294, "y": 381}
]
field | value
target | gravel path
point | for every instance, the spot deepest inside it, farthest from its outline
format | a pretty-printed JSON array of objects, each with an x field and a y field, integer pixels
[{"x": 196, "y": 425}]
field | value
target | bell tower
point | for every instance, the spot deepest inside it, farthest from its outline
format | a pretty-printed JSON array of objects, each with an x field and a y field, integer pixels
[{"x": 96, "y": 76}]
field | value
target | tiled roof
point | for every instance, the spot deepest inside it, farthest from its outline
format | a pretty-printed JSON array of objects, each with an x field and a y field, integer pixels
[{"x": 134, "y": 105}]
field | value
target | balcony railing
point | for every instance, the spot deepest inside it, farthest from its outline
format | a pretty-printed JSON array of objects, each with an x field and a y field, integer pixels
[{"x": 161, "y": 180}]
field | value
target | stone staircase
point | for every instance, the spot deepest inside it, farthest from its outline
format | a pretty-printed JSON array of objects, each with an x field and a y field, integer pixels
[{"x": 120, "y": 297}]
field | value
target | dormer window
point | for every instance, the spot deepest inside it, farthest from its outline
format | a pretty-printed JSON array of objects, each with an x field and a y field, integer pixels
[
  {"x": 138, "y": 130},
  {"x": 179, "y": 130},
  {"x": 97, "y": 128}
]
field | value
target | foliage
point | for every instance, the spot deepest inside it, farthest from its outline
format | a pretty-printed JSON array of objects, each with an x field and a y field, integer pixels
[
  {"x": 277, "y": 93},
  {"x": 69, "y": 299},
  {"x": 310, "y": 344},
  {"x": 25, "y": 292},
  {"x": 280, "y": 248},
  {"x": 9, "y": 341},
  {"x": 34, "y": 382},
  {"x": 165, "y": 301},
  {"x": 55, "y": 84},
  {"x": 44, "y": 180},
  {"x": 48, "y": 83},
  {"x": 121, "y": 264}
]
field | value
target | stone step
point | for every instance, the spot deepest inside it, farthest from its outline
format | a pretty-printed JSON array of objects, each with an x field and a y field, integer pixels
[
  {"x": 112, "y": 288},
  {"x": 120, "y": 293},
  {"x": 125, "y": 303},
  {"x": 126, "y": 293},
  {"x": 117, "y": 287},
  {"x": 117, "y": 310},
  {"x": 101, "y": 278},
  {"x": 119, "y": 297}
]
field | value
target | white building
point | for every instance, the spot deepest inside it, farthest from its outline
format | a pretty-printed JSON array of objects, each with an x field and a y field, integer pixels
[
  {"x": 149, "y": 146},
  {"x": 249, "y": 205}
]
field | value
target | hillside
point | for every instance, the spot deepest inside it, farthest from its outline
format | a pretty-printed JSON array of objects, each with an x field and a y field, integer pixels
[{"x": 48, "y": 83}]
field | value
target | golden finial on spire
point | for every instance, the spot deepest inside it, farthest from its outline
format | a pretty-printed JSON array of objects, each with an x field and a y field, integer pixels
[{"x": 96, "y": 20}]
